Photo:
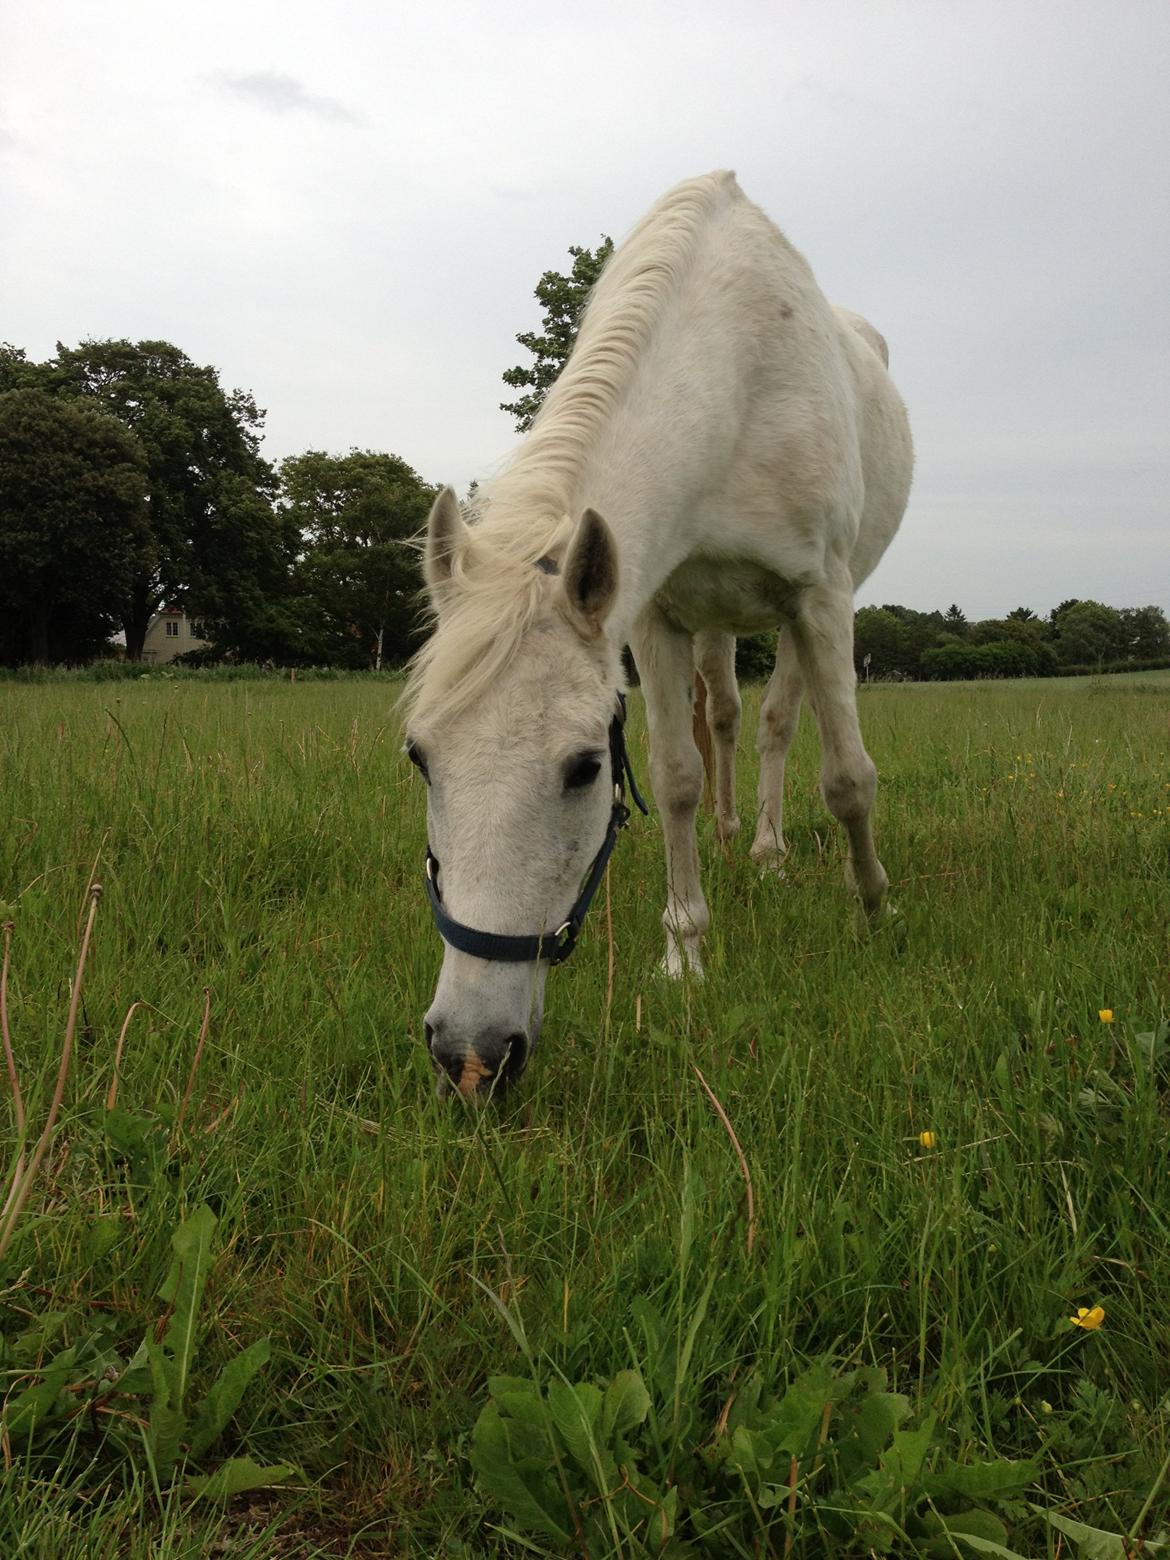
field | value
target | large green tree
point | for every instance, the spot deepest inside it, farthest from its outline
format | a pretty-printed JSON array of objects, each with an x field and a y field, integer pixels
[
  {"x": 73, "y": 525},
  {"x": 563, "y": 298},
  {"x": 218, "y": 546},
  {"x": 1147, "y": 633},
  {"x": 1089, "y": 633},
  {"x": 359, "y": 576}
]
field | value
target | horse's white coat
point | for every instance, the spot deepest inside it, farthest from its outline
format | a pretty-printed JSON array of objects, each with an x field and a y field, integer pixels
[{"x": 750, "y": 460}]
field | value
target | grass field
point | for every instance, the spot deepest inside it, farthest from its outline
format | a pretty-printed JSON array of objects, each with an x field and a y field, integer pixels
[{"x": 262, "y": 843}]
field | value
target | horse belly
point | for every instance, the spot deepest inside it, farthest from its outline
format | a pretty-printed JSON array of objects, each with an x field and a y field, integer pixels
[{"x": 736, "y": 598}]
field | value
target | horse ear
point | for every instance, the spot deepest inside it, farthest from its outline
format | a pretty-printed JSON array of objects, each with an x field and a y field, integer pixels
[
  {"x": 590, "y": 574},
  {"x": 445, "y": 533}
]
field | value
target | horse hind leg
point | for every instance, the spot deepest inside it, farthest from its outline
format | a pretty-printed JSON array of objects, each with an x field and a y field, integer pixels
[
  {"x": 823, "y": 632},
  {"x": 665, "y": 663},
  {"x": 715, "y": 663},
  {"x": 779, "y": 718}
]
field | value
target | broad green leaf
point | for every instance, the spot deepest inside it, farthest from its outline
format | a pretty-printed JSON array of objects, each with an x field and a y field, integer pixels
[
  {"x": 796, "y": 1419},
  {"x": 750, "y": 1453},
  {"x": 236, "y": 1476},
  {"x": 983, "y": 1481},
  {"x": 908, "y": 1452},
  {"x": 135, "y": 1137},
  {"x": 30, "y": 1346},
  {"x": 944, "y": 1548},
  {"x": 978, "y": 1530},
  {"x": 745, "y": 1408},
  {"x": 165, "y": 1436},
  {"x": 101, "y": 1235},
  {"x": 167, "y": 1422},
  {"x": 770, "y": 1495},
  {"x": 518, "y": 1397},
  {"x": 980, "y": 1524},
  {"x": 23, "y": 1414},
  {"x": 183, "y": 1290},
  {"x": 1096, "y": 1544},
  {"x": 160, "y": 1375},
  {"x": 537, "y": 1509},
  {"x": 224, "y": 1397},
  {"x": 878, "y": 1417},
  {"x": 576, "y": 1412},
  {"x": 136, "y": 1378},
  {"x": 626, "y": 1404}
]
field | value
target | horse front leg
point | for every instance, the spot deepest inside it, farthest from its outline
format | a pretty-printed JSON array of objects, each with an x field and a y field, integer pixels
[{"x": 665, "y": 661}]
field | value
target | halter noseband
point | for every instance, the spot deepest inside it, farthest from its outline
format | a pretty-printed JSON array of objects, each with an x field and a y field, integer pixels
[{"x": 553, "y": 946}]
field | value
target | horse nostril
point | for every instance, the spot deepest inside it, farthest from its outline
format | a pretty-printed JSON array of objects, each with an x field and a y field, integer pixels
[
  {"x": 514, "y": 1056},
  {"x": 449, "y": 1058}
]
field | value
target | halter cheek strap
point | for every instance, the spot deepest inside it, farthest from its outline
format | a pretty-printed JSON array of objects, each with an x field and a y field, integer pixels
[{"x": 555, "y": 947}]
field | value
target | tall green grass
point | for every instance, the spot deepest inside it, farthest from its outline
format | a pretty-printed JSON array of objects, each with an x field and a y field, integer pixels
[{"x": 262, "y": 842}]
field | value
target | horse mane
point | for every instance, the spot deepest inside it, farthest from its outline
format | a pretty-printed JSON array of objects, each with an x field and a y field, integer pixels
[{"x": 495, "y": 592}]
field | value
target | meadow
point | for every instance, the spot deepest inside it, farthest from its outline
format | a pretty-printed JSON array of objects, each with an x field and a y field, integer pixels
[{"x": 559, "y": 1326}]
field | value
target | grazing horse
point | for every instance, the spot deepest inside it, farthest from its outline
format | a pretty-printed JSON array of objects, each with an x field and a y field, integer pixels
[{"x": 723, "y": 453}]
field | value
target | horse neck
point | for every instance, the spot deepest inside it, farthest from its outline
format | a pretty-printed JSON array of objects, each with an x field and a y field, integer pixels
[{"x": 643, "y": 478}]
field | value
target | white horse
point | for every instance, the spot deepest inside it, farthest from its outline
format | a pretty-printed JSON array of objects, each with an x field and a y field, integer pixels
[{"x": 751, "y": 459}]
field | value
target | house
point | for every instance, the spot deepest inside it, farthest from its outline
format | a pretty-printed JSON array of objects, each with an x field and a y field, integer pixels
[{"x": 170, "y": 633}]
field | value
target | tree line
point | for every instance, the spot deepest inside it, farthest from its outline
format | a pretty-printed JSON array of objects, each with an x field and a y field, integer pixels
[
  {"x": 894, "y": 642},
  {"x": 131, "y": 480}
]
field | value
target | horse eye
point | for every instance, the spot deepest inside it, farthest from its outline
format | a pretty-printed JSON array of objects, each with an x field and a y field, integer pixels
[
  {"x": 583, "y": 771},
  {"x": 414, "y": 753}
]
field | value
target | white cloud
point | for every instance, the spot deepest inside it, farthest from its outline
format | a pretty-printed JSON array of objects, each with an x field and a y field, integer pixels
[{"x": 280, "y": 94}]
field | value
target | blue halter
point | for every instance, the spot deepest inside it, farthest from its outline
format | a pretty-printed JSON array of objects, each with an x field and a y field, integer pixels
[{"x": 556, "y": 946}]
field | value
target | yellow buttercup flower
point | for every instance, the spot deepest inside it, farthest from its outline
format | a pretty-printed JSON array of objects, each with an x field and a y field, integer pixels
[
  {"x": 927, "y": 1139},
  {"x": 1105, "y": 1015},
  {"x": 1089, "y": 1319}
]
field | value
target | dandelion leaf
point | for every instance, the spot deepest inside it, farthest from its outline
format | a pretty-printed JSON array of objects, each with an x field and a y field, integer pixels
[
  {"x": 1096, "y": 1544},
  {"x": 983, "y": 1481},
  {"x": 183, "y": 1290},
  {"x": 224, "y": 1397},
  {"x": 238, "y": 1475}
]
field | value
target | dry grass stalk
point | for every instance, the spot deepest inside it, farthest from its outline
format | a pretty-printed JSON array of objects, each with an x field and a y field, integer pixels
[
  {"x": 198, "y": 1057},
  {"x": 743, "y": 1164},
  {"x": 22, "y": 1185},
  {"x": 112, "y": 1091}
]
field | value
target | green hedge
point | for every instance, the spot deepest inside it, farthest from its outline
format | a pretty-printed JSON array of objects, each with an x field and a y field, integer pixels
[{"x": 1001, "y": 658}]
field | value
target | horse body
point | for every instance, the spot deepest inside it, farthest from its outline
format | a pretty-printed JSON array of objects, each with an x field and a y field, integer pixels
[{"x": 751, "y": 459}]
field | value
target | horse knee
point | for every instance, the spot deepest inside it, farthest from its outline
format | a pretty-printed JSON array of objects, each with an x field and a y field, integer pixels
[
  {"x": 849, "y": 792},
  {"x": 678, "y": 784},
  {"x": 724, "y": 717},
  {"x": 777, "y": 726}
]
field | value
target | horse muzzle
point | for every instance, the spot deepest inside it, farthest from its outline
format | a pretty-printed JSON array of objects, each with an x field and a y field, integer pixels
[{"x": 478, "y": 1066}]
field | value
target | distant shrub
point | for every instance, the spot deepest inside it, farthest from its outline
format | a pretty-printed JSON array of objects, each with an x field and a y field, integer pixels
[
  {"x": 1001, "y": 658},
  {"x": 755, "y": 656}
]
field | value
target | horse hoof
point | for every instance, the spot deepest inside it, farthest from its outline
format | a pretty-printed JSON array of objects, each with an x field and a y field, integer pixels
[
  {"x": 678, "y": 966},
  {"x": 769, "y": 860}
]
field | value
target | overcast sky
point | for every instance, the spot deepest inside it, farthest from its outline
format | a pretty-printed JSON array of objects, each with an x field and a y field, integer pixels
[{"x": 346, "y": 208}]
